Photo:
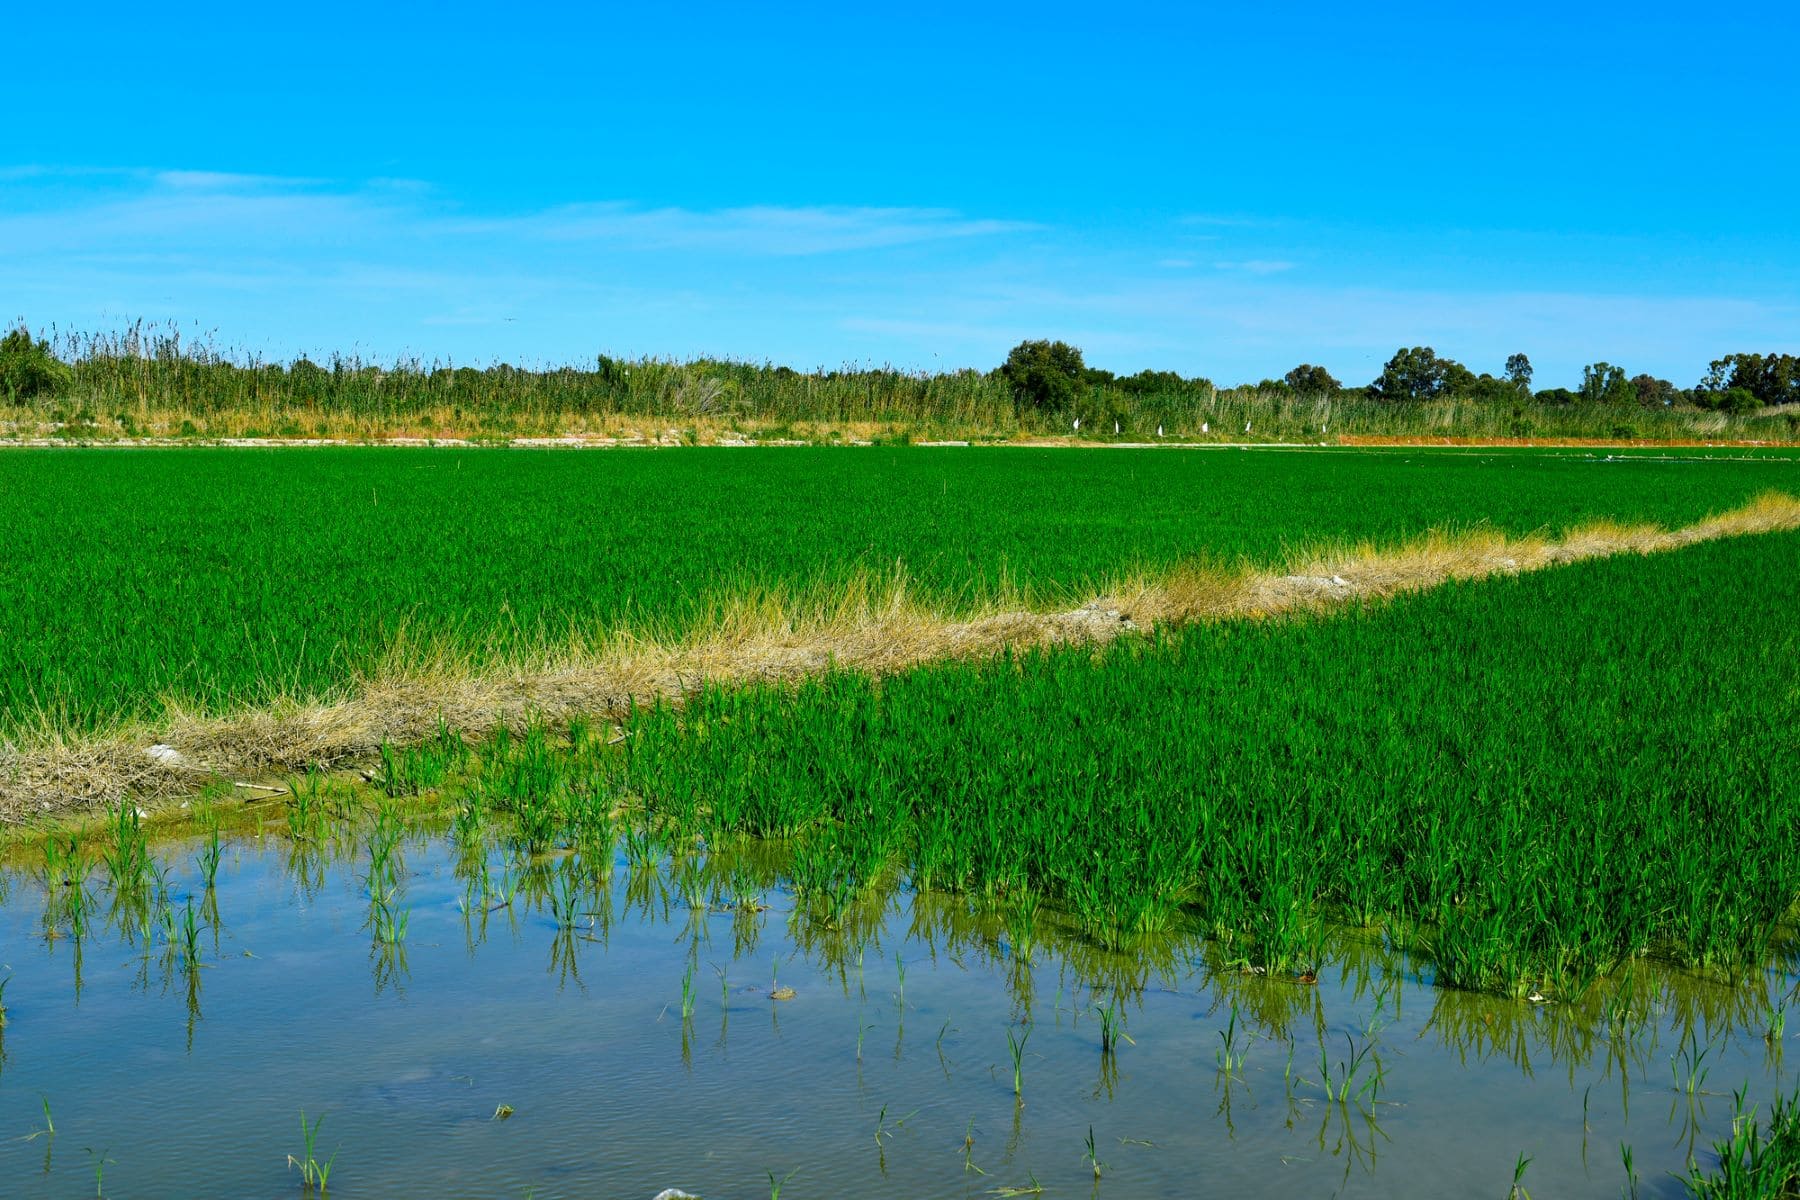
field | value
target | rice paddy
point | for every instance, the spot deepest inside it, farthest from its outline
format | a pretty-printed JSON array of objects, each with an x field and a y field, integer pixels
[
  {"x": 138, "y": 583},
  {"x": 1408, "y": 884}
]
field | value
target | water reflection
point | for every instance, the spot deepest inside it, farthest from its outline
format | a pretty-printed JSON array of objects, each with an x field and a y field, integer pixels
[{"x": 1336, "y": 1063}]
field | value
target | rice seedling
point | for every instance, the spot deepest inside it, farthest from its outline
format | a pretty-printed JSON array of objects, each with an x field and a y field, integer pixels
[
  {"x": 99, "y": 1161},
  {"x": 882, "y": 1132},
  {"x": 190, "y": 937},
  {"x": 306, "y": 809},
  {"x": 1349, "y": 1070},
  {"x": 387, "y": 921},
  {"x": 1688, "y": 1064},
  {"x": 208, "y": 862},
  {"x": 314, "y": 1175},
  {"x": 1517, "y": 1191},
  {"x": 687, "y": 994},
  {"x": 968, "y": 1150},
  {"x": 1015, "y": 1047},
  {"x": 1754, "y": 1162},
  {"x": 775, "y": 1185},
  {"x": 564, "y": 896},
  {"x": 49, "y": 1129},
  {"x": 1232, "y": 1048},
  {"x": 1092, "y": 1157},
  {"x": 1112, "y": 1025},
  {"x": 127, "y": 855}
]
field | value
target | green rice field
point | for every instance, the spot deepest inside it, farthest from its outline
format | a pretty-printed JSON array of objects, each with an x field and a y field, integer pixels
[
  {"x": 1529, "y": 781},
  {"x": 219, "y": 579},
  {"x": 1486, "y": 889}
]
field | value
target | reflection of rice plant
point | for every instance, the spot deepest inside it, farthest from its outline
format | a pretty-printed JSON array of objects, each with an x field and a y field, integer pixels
[
  {"x": 564, "y": 896},
  {"x": 1690, "y": 1074}
]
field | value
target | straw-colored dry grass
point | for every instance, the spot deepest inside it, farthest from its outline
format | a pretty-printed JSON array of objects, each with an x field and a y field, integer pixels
[{"x": 877, "y": 627}]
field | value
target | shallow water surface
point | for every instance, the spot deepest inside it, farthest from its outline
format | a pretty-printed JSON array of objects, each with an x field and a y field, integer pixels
[{"x": 479, "y": 980}]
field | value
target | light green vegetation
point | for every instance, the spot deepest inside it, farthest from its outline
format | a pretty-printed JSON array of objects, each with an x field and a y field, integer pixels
[{"x": 221, "y": 579}]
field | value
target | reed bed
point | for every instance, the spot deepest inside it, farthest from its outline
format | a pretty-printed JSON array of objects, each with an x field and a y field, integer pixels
[{"x": 160, "y": 381}]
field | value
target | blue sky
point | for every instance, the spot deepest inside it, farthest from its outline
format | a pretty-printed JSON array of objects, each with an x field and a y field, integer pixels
[{"x": 1202, "y": 188}]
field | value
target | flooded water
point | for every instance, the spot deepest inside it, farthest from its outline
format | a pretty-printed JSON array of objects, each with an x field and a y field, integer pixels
[{"x": 496, "y": 1026}]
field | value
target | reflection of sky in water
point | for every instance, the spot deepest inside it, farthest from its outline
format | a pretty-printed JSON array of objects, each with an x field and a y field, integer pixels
[{"x": 193, "y": 1082}]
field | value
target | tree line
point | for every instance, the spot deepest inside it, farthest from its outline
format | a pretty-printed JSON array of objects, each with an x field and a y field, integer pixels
[
  {"x": 1050, "y": 375},
  {"x": 1038, "y": 378}
]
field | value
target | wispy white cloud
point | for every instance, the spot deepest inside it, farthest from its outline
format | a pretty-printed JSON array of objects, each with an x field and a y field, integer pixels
[
  {"x": 139, "y": 206},
  {"x": 1257, "y": 266},
  {"x": 226, "y": 182},
  {"x": 394, "y": 266},
  {"x": 757, "y": 230},
  {"x": 1221, "y": 221}
]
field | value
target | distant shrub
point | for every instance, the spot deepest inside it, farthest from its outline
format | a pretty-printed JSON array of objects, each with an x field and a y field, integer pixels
[
  {"x": 1308, "y": 380},
  {"x": 1734, "y": 400},
  {"x": 1044, "y": 375},
  {"x": 1653, "y": 392},
  {"x": 28, "y": 369},
  {"x": 1419, "y": 374}
]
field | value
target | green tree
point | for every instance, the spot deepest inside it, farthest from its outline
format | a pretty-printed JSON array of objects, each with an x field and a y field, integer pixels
[
  {"x": 1307, "y": 379},
  {"x": 1147, "y": 382},
  {"x": 1603, "y": 383},
  {"x": 1419, "y": 374},
  {"x": 1044, "y": 375},
  {"x": 1518, "y": 372},
  {"x": 1653, "y": 392},
  {"x": 1771, "y": 378},
  {"x": 28, "y": 369}
]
